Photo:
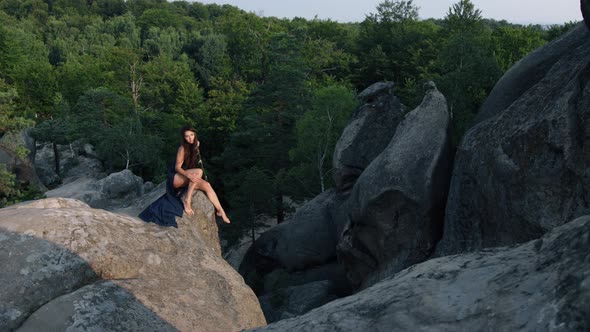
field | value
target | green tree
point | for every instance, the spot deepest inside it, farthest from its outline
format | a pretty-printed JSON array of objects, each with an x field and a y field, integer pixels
[
  {"x": 512, "y": 44},
  {"x": 467, "y": 65},
  {"x": 317, "y": 132}
]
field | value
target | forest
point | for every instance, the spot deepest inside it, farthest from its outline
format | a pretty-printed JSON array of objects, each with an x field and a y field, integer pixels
[{"x": 268, "y": 96}]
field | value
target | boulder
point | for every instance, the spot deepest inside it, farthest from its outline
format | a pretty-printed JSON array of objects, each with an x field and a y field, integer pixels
[
  {"x": 396, "y": 207},
  {"x": 296, "y": 300},
  {"x": 123, "y": 184},
  {"x": 308, "y": 238},
  {"x": 528, "y": 72},
  {"x": 68, "y": 266},
  {"x": 116, "y": 191},
  {"x": 76, "y": 160},
  {"x": 524, "y": 168},
  {"x": 332, "y": 272},
  {"x": 368, "y": 133},
  {"x": 543, "y": 285}
]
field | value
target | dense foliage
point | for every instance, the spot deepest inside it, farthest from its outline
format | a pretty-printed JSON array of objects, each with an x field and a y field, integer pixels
[{"x": 269, "y": 96}]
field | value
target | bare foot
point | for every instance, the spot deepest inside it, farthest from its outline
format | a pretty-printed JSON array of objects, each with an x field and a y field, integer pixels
[
  {"x": 223, "y": 216},
  {"x": 187, "y": 208}
]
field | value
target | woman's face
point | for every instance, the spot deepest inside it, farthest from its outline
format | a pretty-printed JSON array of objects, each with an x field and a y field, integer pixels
[{"x": 189, "y": 136}]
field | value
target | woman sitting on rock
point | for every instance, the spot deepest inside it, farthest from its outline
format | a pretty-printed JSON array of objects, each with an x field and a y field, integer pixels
[{"x": 183, "y": 177}]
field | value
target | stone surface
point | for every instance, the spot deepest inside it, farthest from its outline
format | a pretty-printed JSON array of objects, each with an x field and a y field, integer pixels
[
  {"x": 116, "y": 191},
  {"x": 543, "y": 285},
  {"x": 525, "y": 167},
  {"x": 24, "y": 169},
  {"x": 396, "y": 207},
  {"x": 368, "y": 133},
  {"x": 67, "y": 265},
  {"x": 296, "y": 300},
  {"x": 332, "y": 272},
  {"x": 76, "y": 160},
  {"x": 308, "y": 238}
]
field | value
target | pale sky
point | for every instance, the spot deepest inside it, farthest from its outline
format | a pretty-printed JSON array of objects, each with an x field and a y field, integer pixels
[{"x": 515, "y": 11}]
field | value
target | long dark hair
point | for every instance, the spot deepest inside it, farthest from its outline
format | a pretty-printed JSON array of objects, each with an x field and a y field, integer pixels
[{"x": 191, "y": 151}]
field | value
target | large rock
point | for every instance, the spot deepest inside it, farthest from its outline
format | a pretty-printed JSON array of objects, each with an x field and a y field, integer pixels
[
  {"x": 370, "y": 130},
  {"x": 116, "y": 191},
  {"x": 396, "y": 207},
  {"x": 24, "y": 169},
  {"x": 528, "y": 72},
  {"x": 296, "y": 300},
  {"x": 332, "y": 272},
  {"x": 76, "y": 160},
  {"x": 525, "y": 168},
  {"x": 309, "y": 238},
  {"x": 68, "y": 266},
  {"x": 543, "y": 285}
]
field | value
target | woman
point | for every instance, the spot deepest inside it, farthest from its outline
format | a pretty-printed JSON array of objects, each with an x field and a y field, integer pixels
[{"x": 184, "y": 177}]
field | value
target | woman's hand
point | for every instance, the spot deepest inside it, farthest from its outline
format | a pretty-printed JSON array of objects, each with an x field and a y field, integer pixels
[{"x": 193, "y": 177}]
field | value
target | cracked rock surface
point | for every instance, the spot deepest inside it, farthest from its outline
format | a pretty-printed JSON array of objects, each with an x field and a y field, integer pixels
[{"x": 68, "y": 266}]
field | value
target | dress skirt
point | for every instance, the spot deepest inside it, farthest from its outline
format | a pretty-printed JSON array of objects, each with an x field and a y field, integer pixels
[{"x": 165, "y": 209}]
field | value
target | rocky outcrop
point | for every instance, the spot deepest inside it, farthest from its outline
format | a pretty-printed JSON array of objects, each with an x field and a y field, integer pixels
[
  {"x": 542, "y": 285},
  {"x": 288, "y": 254},
  {"x": 116, "y": 191},
  {"x": 523, "y": 169},
  {"x": 309, "y": 238},
  {"x": 296, "y": 300},
  {"x": 68, "y": 266},
  {"x": 396, "y": 207},
  {"x": 77, "y": 160},
  {"x": 528, "y": 72},
  {"x": 368, "y": 133},
  {"x": 24, "y": 169}
]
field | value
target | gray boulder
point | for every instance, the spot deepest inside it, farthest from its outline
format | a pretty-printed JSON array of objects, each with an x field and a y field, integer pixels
[
  {"x": 76, "y": 160},
  {"x": 296, "y": 301},
  {"x": 523, "y": 169},
  {"x": 542, "y": 285},
  {"x": 67, "y": 266},
  {"x": 308, "y": 238},
  {"x": 116, "y": 191},
  {"x": 332, "y": 271},
  {"x": 528, "y": 72},
  {"x": 396, "y": 207},
  {"x": 370, "y": 130}
]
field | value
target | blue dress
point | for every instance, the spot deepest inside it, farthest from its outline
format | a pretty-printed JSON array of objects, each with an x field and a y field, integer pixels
[{"x": 165, "y": 209}]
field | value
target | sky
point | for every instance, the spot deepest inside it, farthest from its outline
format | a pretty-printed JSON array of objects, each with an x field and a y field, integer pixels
[{"x": 515, "y": 11}]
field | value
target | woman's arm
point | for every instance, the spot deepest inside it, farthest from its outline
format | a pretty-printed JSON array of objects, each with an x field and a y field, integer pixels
[{"x": 178, "y": 166}]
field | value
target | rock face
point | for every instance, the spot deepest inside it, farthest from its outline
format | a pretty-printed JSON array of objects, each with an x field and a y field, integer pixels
[
  {"x": 524, "y": 168},
  {"x": 370, "y": 130},
  {"x": 24, "y": 169},
  {"x": 396, "y": 207},
  {"x": 115, "y": 191},
  {"x": 542, "y": 285},
  {"x": 68, "y": 266},
  {"x": 77, "y": 160},
  {"x": 307, "y": 239},
  {"x": 296, "y": 300},
  {"x": 292, "y": 253}
]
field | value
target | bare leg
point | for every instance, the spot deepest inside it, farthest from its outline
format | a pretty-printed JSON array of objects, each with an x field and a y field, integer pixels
[
  {"x": 181, "y": 181},
  {"x": 188, "y": 197},
  {"x": 206, "y": 187}
]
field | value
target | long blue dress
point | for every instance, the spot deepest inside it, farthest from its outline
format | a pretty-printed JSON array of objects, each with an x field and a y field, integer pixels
[{"x": 165, "y": 209}]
